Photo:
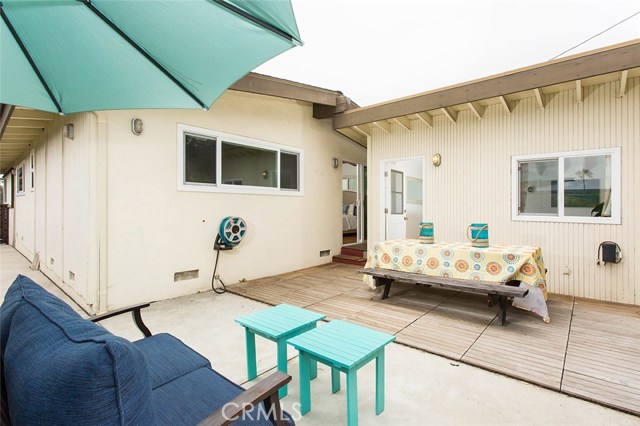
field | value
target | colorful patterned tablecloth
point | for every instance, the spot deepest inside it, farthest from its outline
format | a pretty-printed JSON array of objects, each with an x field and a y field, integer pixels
[{"x": 496, "y": 263}]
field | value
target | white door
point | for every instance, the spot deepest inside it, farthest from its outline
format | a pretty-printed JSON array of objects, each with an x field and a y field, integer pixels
[{"x": 395, "y": 212}]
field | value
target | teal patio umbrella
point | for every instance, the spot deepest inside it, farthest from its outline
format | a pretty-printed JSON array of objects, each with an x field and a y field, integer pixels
[{"x": 69, "y": 56}]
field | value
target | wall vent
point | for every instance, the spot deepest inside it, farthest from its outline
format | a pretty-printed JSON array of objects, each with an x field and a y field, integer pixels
[
  {"x": 186, "y": 275},
  {"x": 324, "y": 253}
]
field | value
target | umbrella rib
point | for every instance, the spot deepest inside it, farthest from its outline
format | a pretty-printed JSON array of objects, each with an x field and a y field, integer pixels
[
  {"x": 253, "y": 19},
  {"x": 143, "y": 52},
  {"x": 18, "y": 40}
]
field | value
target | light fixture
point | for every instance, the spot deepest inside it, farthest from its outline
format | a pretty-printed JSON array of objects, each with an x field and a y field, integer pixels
[
  {"x": 335, "y": 163},
  {"x": 436, "y": 159},
  {"x": 265, "y": 174},
  {"x": 137, "y": 126},
  {"x": 67, "y": 131}
]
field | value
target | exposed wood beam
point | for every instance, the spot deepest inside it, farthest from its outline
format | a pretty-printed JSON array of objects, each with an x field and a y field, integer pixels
[
  {"x": 21, "y": 131},
  {"x": 624, "y": 75},
  {"x": 27, "y": 124},
  {"x": 476, "y": 109},
  {"x": 265, "y": 85},
  {"x": 539, "y": 99},
  {"x": 8, "y": 143},
  {"x": 450, "y": 114},
  {"x": 562, "y": 70},
  {"x": 403, "y": 121},
  {"x": 5, "y": 116},
  {"x": 382, "y": 125},
  {"x": 362, "y": 130},
  {"x": 579, "y": 94},
  {"x": 31, "y": 114},
  {"x": 505, "y": 104},
  {"x": 8, "y": 135},
  {"x": 426, "y": 118}
]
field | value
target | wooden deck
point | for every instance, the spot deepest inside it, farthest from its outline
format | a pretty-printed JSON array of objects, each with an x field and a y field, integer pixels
[{"x": 589, "y": 350}]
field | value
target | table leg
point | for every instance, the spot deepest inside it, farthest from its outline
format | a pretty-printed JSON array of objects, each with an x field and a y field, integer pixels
[
  {"x": 352, "y": 397},
  {"x": 305, "y": 383},
  {"x": 335, "y": 380},
  {"x": 252, "y": 369},
  {"x": 282, "y": 364},
  {"x": 380, "y": 382}
]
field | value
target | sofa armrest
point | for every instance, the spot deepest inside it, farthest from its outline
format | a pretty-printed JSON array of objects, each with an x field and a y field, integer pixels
[
  {"x": 265, "y": 390},
  {"x": 135, "y": 313}
]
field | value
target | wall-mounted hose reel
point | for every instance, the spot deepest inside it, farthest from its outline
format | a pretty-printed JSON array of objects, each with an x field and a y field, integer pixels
[{"x": 231, "y": 232}]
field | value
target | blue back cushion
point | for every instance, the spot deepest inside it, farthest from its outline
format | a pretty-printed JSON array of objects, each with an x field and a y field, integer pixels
[{"x": 62, "y": 369}]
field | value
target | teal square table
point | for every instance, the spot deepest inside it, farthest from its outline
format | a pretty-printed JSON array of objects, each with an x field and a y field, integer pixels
[
  {"x": 344, "y": 347},
  {"x": 276, "y": 324}
]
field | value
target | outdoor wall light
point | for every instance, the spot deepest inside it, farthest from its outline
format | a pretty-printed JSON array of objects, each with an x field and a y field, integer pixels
[
  {"x": 137, "y": 126},
  {"x": 335, "y": 163},
  {"x": 67, "y": 131},
  {"x": 436, "y": 159},
  {"x": 265, "y": 174}
]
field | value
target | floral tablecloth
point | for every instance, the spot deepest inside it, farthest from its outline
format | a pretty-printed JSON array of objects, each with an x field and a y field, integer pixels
[{"x": 496, "y": 263}]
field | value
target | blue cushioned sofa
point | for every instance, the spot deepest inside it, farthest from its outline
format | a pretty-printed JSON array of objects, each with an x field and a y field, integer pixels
[{"x": 61, "y": 369}]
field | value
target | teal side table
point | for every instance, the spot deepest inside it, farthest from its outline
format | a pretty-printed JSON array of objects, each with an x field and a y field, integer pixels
[
  {"x": 276, "y": 324},
  {"x": 344, "y": 347}
]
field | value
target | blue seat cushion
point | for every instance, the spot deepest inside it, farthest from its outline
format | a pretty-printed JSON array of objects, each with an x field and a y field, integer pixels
[
  {"x": 191, "y": 398},
  {"x": 168, "y": 358},
  {"x": 61, "y": 369}
]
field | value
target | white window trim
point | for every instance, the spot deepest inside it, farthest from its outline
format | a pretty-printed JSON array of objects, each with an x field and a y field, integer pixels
[
  {"x": 616, "y": 183},
  {"x": 24, "y": 180},
  {"x": 220, "y": 187},
  {"x": 32, "y": 171}
]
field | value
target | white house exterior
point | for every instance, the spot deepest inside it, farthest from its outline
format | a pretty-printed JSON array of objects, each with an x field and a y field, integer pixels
[
  {"x": 113, "y": 217},
  {"x": 579, "y": 114}
]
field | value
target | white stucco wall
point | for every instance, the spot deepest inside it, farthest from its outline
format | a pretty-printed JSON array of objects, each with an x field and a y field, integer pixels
[{"x": 155, "y": 230}]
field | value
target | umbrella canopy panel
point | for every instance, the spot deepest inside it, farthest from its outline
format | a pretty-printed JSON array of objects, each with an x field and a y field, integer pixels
[{"x": 70, "y": 56}]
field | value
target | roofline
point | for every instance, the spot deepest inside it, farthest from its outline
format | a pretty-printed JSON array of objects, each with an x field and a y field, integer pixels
[{"x": 606, "y": 60}]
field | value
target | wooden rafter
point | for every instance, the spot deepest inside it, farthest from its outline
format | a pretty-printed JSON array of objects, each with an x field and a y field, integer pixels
[
  {"x": 539, "y": 99},
  {"x": 624, "y": 75},
  {"x": 450, "y": 114},
  {"x": 476, "y": 109},
  {"x": 579, "y": 93},
  {"x": 505, "y": 104},
  {"x": 403, "y": 121},
  {"x": 362, "y": 130},
  {"x": 426, "y": 118},
  {"x": 382, "y": 125}
]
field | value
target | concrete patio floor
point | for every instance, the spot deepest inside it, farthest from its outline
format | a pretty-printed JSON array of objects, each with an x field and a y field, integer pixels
[{"x": 421, "y": 388}]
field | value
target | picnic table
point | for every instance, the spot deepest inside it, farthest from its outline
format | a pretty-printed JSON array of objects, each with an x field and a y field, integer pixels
[{"x": 497, "y": 263}]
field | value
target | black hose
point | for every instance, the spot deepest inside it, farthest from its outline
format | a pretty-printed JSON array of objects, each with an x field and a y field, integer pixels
[{"x": 213, "y": 278}]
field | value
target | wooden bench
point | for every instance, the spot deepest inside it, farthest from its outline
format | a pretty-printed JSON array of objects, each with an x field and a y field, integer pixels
[{"x": 501, "y": 294}]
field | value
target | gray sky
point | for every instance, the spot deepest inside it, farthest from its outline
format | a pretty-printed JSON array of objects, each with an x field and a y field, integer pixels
[{"x": 375, "y": 51}]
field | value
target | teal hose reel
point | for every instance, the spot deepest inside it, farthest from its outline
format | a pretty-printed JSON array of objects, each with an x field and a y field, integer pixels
[{"x": 231, "y": 231}]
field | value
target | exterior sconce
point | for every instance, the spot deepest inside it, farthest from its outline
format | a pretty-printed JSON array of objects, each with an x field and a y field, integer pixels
[
  {"x": 436, "y": 160},
  {"x": 137, "y": 126},
  {"x": 67, "y": 131},
  {"x": 335, "y": 163}
]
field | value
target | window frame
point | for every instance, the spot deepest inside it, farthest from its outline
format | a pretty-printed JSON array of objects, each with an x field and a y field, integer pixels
[
  {"x": 20, "y": 192},
  {"x": 616, "y": 184},
  {"x": 219, "y": 186},
  {"x": 32, "y": 171}
]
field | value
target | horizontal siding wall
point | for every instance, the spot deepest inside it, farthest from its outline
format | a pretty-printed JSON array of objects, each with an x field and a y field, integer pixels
[{"x": 473, "y": 184}]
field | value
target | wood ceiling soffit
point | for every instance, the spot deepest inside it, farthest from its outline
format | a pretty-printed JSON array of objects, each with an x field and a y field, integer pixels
[
  {"x": 362, "y": 130},
  {"x": 564, "y": 70},
  {"x": 624, "y": 75},
  {"x": 27, "y": 123},
  {"x": 383, "y": 125},
  {"x": 404, "y": 122},
  {"x": 539, "y": 99},
  {"x": 426, "y": 118},
  {"x": 579, "y": 94},
  {"x": 505, "y": 104},
  {"x": 450, "y": 114},
  {"x": 476, "y": 109}
]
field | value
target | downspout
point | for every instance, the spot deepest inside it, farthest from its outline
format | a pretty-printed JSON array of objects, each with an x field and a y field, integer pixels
[{"x": 98, "y": 201}]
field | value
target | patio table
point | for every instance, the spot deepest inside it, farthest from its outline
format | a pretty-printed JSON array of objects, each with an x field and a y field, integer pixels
[
  {"x": 496, "y": 263},
  {"x": 277, "y": 324},
  {"x": 344, "y": 347}
]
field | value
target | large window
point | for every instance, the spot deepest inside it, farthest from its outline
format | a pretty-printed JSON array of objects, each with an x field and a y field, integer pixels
[
  {"x": 218, "y": 162},
  {"x": 578, "y": 186}
]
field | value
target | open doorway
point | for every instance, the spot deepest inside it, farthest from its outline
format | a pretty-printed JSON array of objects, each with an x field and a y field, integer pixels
[
  {"x": 354, "y": 204},
  {"x": 403, "y": 183}
]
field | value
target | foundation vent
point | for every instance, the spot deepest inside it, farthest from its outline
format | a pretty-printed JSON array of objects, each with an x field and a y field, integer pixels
[{"x": 186, "y": 275}]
